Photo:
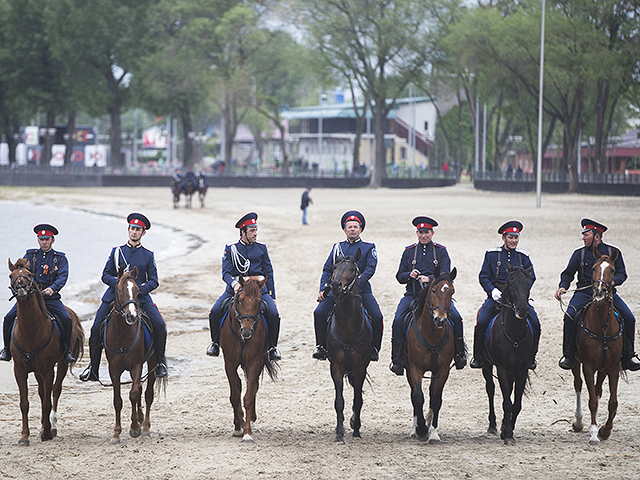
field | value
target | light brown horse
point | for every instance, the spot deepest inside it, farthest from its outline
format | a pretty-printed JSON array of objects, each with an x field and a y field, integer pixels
[
  {"x": 243, "y": 336},
  {"x": 124, "y": 343},
  {"x": 430, "y": 347},
  {"x": 599, "y": 349},
  {"x": 35, "y": 347}
]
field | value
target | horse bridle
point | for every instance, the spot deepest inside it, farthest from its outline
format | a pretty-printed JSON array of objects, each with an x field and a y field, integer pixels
[
  {"x": 239, "y": 317},
  {"x": 119, "y": 307},
  {"x": 349, "y": 287},
  {"x": 30, "y": 287},
  {"x": 428, "y": 297},
  {"x": 505, "y": 303}
]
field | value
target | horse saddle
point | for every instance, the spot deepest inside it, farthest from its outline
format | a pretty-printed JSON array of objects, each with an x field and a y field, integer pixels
[
  {"x": 364, "y": 314},
  {"x": 487, "y": 332}
]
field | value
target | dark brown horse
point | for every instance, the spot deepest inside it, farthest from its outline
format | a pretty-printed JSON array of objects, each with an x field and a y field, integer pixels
[
  {"x": 202, "y": 190},
  {"x": 124, "y": 343},
  {"x": 175, "y": 192},
  {"x": 430, "y": 347},
  {"x": 348, "y": 340},
  {"x": 243, "y": 338},
  {"x": 35, "y": 347},
  {"x": 599, "y": 349},
  {"x": 511, "y": 349}
]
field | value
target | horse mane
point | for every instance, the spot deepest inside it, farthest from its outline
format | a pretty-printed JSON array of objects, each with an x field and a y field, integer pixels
[
  {"x": 250, "y": 287},
  {"x": 422, "y": 296},
  {"x": 23, "y": 263}
]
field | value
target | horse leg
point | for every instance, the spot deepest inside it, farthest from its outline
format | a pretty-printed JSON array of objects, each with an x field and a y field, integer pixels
[
  {"x": 117, "y": 404},
  {"x": 21, "y": 380},
  {"x": 419, "y": 429},
  {"x": 337, "y": 374},
  {"x": 577, "y": 386},
  {"x": 45, "y": 385},
  {"x": 589, "y": 373},
  {"x": 135, "y": 397},
  {"x": 435, "y": 403},
  {"x": 506, "y": 386},
  {"x": 57, "y": 391},
  {"x": 148, "y": 400},
  {"x": 605, "y": 431},
  {"x": 253, "y": 383},
  {"x": 235, "y": 385},
  {"x": 358, "y": 383},
  {"x": 517, "y": 399},
  {"x": 490, "y": 386}
]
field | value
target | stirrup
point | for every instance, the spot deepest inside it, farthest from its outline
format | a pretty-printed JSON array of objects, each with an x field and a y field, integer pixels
[
  {"x": 213, "y": 350},
  {"x": 5, "y": 355},
  {"x": 161, "y": 370},
  {"x": 476, "y": 362},
  {"x": 634, "y": 363},
  {"x": 320, "y": 353},
  {"x": 566, "y": 363},
  {"x": 67, "y": 357},
  {"x": 89, "y": 375},
  {"x": 274, "y": 354},
  {"x": 397, "y": 369}
]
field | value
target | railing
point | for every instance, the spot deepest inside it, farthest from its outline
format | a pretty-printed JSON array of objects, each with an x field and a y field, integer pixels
[{"x": 559, "y": 177}]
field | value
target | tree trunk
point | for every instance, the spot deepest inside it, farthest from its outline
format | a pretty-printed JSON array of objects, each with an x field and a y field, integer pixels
[
  {"x": 48, "y": 140},
  {"x": 187, "y": 151},
  {"x": 71, "y": 130},
  {"x": 379, "y": 165}
]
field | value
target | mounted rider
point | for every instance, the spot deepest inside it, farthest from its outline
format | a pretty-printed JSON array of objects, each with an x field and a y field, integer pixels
[
  {"x": 51, "y": 270},
  {"x": 416, "y": 269},
  {"x": 246, "y": 257},
  {"x": 352, "y": 224},
  {"x": 493, "y": 276},
  {"x": 581, "y": 262},
  {"x": 131, "y": 254}
]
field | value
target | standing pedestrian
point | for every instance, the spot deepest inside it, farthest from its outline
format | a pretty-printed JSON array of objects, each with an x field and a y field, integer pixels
[{"x": 304, "y": 204}]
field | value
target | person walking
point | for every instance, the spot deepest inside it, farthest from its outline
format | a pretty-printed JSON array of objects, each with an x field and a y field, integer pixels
[{"x": 304, "y": 204}]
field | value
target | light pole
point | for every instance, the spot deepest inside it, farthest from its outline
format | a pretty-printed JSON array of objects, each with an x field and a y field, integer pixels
[{"x": 539, "y": 171}]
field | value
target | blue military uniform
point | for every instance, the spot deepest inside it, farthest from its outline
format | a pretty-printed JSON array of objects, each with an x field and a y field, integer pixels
[
  {"x": 425, "y": 258},
  {"x": 493, "y": 275},
  {"x": 248, "y": 259},
  {"x": 581, "y": 262},
  {"x": 130, "y": 256},
  {"x": 51, "y": 270},
  {"x": 367, "y": 265}
]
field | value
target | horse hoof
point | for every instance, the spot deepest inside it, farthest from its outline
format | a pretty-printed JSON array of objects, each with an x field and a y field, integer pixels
[
  {"x": 115, "y": 441},
  {"x": 602, "y": 435},
  {"x": 509, "y": 441},
  {"x": 248, "y": 438},
  {"x": 23, "y": 443},
  {"x": 46, "y": 436},
  {"x": 339, "y": 439},
  {"x": 492, "y": 431},
  {"x": 356, "y": 434},
  {"x": 135, "y": 433},
  {"x": 435, "y": 441},
  {"x": 146, "y": 434},
  {"x": 237, "y": 433},
  {"x": 594, "y": 443},
  {"x": 54, "y": 432},
  {"x": 577, "y": 428}
]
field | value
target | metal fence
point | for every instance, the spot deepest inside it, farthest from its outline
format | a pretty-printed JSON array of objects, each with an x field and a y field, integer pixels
[{"x": 559, "y": 177}]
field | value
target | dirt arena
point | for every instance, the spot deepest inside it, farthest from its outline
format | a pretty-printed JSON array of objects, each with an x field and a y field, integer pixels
[{"x": 192, "y": 424}]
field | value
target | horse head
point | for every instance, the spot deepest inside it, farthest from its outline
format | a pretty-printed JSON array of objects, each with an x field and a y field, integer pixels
[
  {"x": 127, "y": 292},
  {"x": 345, "y": 274},
  {"x": 246, "y": 304},
  {"x": 438, "y": 295},
  {"x": 603, "y": 272},
  {"x": 21, "y": 278},
  {"x": 516, "y": 290}
]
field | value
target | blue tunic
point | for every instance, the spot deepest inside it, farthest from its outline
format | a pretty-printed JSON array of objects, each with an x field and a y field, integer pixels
[{"x": 367, "y": 263}]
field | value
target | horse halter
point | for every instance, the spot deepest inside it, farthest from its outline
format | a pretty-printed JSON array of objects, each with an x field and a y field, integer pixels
[
  {"x": 119, "y": 307},
  {"x": 432, "y": 308},
  {"x": 347, "y": 288},
  {"x": 239, "y": 318},
  {"x": 600, "y": 283},
  {"x": 507, "y": 291},
  {"x": 20, "y": 291}
]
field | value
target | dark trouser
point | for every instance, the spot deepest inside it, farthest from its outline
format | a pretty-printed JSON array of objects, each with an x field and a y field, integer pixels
[
  {"x": 487, "y": 312},
  {"x": 271, "y": 315},
  {"x": 55, "y": 308},
  {"x": 397, "y": 330},
  {"x": 322, "y": 311},
  {"x": 157, "y": 323},
  {"x": 578, "y": 301}
]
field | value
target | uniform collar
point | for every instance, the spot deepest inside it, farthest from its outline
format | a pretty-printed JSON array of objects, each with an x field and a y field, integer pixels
[
  {"x": 134, "y": 246},
  {"x": 247, "y": 244},
  {"x": 355, "y": 241}
]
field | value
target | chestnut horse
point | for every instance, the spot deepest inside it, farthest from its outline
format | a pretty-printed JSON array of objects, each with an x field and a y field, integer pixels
[
  {"x": 430, "y": 347},
  {"x": 243, "y": 339},
  {"x": 511, "y": 349},
  {"x": 348, "y": 340},
  {"x": 599, "y": 348},
  {"x": 126, "y": 349},
  {"x": 35, "y": 347},
  {"x": 202, "y": 190}
]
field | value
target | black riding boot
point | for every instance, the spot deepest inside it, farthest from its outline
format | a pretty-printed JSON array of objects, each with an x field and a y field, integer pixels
[
  {"x": 65, "y": 342},
  {"x": 160, "y": 346},
  {"x": 91, "y": 373},
  {"x": 376, "y": 341},
  {"x": 6, "y": 333},
  {"x": 274, "y": 333},
  {"x": 629, "y": 358},
  {"x": 320, "y": 352},
  {"x": 396, "y": 366},
  {"x": 213, "y": 350},
  {"x": 478, "y": 345},
  {"x": 460, "y": 353},
  {"x": 536, "y": 342},
  {"x": 568, "y": 344}
]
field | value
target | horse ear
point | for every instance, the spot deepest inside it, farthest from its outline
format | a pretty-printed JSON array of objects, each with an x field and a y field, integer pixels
[
  {"x": 12, "y": 267},
  {"x": 452, "y": 275},
  {"x": 120, "y": 271},
  {"x": 436, "y": 272},
  {"x": 241, "y": 280},
  {"x": 262, "y": 282},
  {"x": 510, "y": 268},
  {"x": 134, "y": 272},
  {"x": 358, "y": 255},
  {"x": 596, "y": 252},
  {"x": 614, "y": 255}
]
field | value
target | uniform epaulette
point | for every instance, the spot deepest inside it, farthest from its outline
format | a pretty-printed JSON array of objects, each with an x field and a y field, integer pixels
[
  {"x": 612, "y": 246},
  {"x": 410, "y": 246},
  {"x": 32, "y": 250},
  {"x": 438, "y": 245},
  {"x": 519, "y": 250},
  {"x": 61, "y": 254},
  {"x": 497, "y": 249}
]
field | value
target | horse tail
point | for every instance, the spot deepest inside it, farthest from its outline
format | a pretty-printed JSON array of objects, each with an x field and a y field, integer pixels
[
  {"x": 77, "y": 332},
  {"x": 272, "y": 367},
  {"x": 160, "y": 386}
]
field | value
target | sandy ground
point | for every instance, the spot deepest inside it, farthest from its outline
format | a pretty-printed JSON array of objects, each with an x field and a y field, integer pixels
[{"x": 192, "y": 424}]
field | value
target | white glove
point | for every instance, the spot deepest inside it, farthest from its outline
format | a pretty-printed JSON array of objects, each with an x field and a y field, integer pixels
[{"x": 496, "y": 294}]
